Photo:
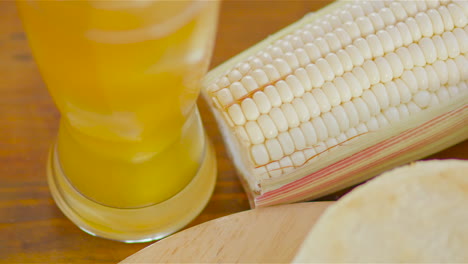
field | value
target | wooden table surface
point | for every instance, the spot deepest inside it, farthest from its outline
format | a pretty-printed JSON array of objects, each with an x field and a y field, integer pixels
[{"x": 32, "y": 228}]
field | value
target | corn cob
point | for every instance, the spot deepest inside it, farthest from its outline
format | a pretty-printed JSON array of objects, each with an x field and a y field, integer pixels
[{"x": 337, "y": 81}]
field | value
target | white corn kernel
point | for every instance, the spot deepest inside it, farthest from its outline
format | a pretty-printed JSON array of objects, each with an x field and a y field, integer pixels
[
  {"x": 440, "y": 68},
  {"x": 320, "y": 128},
  {"x": 371, "y": 101},
  {"x": 405, "y": 58},
  {"x": 274, "y": 149},
  {"x": 295, "y": 85},
  {"x": 234, "y": 76},
  {"x": 249, "y": 107},
  {"x": 332, "y": 93},
  {"x": 424, "y": 23},
  {"x": 386, "y": 41},
  {"x": 385, "y": 71},
  {"x": 392, "y": 115},
  {"x": 365, "y": 25},
  {"x": 235, "y": 112},
  {"x": 362, "y": 109},
  {"x": 286, "y": 164},
  {"x": 343, "y": 89},
  {"x": 352, "y": 29},
  {"x": 284, "y": 91},
  {"x": 382, "y": 120},
  {"x": 353, "y": 84},
  {"x": 433, "y": 78},
  {"x": 446, "y": 17},
  {"x": 443, "y": 95},
  {"x": 282, "y": 66},
  {"x": 262, "y": 102},
  {"x": 302, "y": 57},
  {"x": 453, "y": 72},
  {"x": 341, "y": 117},
  {"x": 290, "y": 114},
  {"x": 335, "y": 64},
  {"x": 309, "y": 133},
  {"x": 312, "y": 105},
  {"x": 237, "y": 90},
  {"x": 377, "y": 21},
  {"x": 345, "y": 60},
  {"x": 387, "y": 16},
  {"x": 325, "y": 69},
  {"x": 422, "y": 99},
  {"x": 301, "y": 74},
  {"x": 312, "y": 51},
  {"x": 393, "y": 95},
  {"x": 403, "y": 91},
  {"x": 371, "y": 71},
  {"x": 309, "y": 154},
  {"x": 298, "y": 138},
  {"x": 363, "y": 47},
  {"x": 429, "y": 50},
  {"x": 301, "y": 110},
  {"x": 331, "y": 124},
  {"x": 271, "y": 72},
  {"x": 298, "y": 158},
  {"x": 224, "y": 96},
  {"x": 413, "y": 28},
  {"x": 279, "y": 119},
  {"x": 242, "y": 134},
  {"x": 343, "y": 36},
  {"x": 462, "y": 39},
  {"x": 267, "y": 126},
  {"x": 372, "y": 124},
  {"x": 436, "y": 20},
  {"x": 260, "y": 77},
  {"x": 410, "y": 7},
  {"x": 405, "y": 33},
  {"x": 291, "y": 60},
  {"x": 333, "y": 41},
  {"x": 361, "y": 75},
  {"x": 355, "y": 55},
  {"x": 421, "y": 76},
  {"x": 223, "y": 82},
  {"x": 274, "y": 169},
  {"x": 375, "y": 45},
  {"x": 315, "y": 75},
  {"x": 395, "y": 35},
  {"x": 286, "y": 142},
  {"x": 398, "y": 11},
  {"x": 395, "y": 64},
  {"x": 381, "y": 94},
  {"x": 362, "y": 128},
  {"x": 403, "y": 111},
  {"x": 321, "y": 100},
  {"x": 254, "y": 132},
  {"x": 322, "y": 44},
  {"x": 417, "y": 55},
  {"x": 352, "y": 113},
  {"x": 458, "y": 17},
  {"x": 260, "y": 154}
]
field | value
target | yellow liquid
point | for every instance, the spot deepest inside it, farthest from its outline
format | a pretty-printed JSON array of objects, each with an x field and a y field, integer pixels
[{"x": 125, "y": 76}]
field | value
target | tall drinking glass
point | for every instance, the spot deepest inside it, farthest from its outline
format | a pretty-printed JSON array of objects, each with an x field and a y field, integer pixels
[{"x": 131, "y": 161}]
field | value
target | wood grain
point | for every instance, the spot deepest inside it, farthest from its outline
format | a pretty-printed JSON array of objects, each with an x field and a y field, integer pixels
[
  {"x": 32, "y": 229},
  {"x": 263, "y": 235}
]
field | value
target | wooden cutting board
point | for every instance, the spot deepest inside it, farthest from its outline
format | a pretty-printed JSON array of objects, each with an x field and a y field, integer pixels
[{"x": 271, "y": 234}]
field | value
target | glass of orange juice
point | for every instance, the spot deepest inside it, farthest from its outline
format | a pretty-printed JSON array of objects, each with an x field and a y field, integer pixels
[{"x": 131, "y": 161}]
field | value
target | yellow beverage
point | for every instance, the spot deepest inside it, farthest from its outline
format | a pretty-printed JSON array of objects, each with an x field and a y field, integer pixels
[{"x": 125, "y": 76}]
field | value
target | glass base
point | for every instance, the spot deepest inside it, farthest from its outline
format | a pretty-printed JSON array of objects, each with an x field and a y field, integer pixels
[{"x": 133, "y": 225}]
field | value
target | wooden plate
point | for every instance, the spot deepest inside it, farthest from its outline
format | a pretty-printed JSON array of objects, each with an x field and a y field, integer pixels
[{"x": 271, "y": 234}]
